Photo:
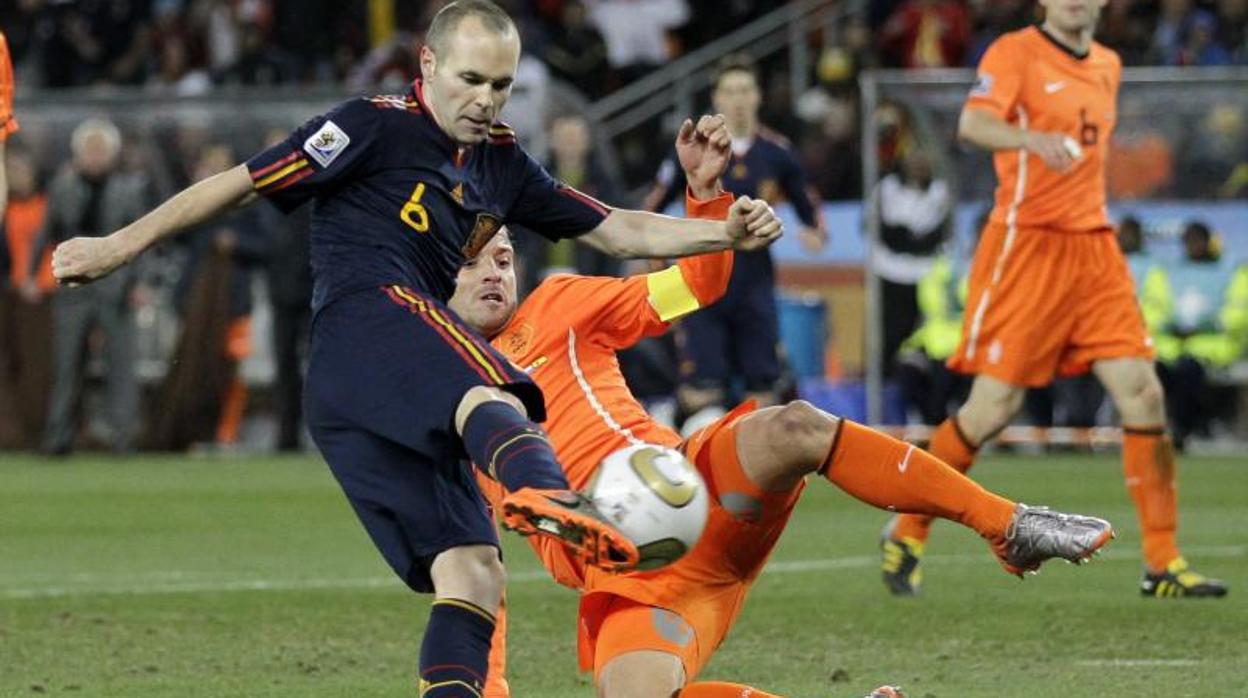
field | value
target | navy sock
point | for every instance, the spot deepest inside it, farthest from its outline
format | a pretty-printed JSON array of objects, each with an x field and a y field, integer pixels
[
  {"x": 511, "y": 449},
  {"x": 455, "y": 654}
]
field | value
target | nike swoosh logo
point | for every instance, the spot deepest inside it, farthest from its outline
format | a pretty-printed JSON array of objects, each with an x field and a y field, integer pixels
[
  {"x": 905, "y": 462},
  {"x": 1051, "y": 87}
]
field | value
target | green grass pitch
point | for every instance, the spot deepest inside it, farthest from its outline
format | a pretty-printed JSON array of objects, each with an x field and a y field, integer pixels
[{"x": 179, "y": 577}]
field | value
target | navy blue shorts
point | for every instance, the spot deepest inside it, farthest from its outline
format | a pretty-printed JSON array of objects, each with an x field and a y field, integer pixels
[
  {"x": 387, "y": 369},
  {"x": 735, "y": 337}
]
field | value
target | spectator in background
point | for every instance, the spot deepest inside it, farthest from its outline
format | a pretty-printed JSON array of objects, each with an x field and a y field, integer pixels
[
  {"x": 525, "y": 110},
  {"x": 927, "y": 384},
  {"x": 1232, "y": 31},
  {"x": 1200, "y": 44},
  {"x": 1212, "y": 152},
  {"x": 25, "y": 326},
  {"x": 1205, "y": 305},
  {"x": 91, "y": 198},
  {"x": 834, "y": 159},
  {"x": 926, "y": 34},
  {"x": 90, "y": 43},
  {"x": 573, "y": 162},
  {"x": 215, "y": 298},
  {"x": 735, "y": 339},
  {"x": 577, "y": 52},
  {"x": 636, "y": 33},
  {"x": 1170, "y": 29},
  {"x": 915, "y": 209},
  {"x": 289, "y": 274}
]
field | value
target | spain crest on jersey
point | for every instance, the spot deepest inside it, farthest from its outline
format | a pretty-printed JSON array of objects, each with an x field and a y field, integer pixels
[{"x": 483, "y": 231}]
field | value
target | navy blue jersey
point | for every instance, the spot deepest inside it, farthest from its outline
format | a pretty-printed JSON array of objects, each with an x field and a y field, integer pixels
[
  {"x": 769, "y": 170},
  {"x": 399, "y": 202}
]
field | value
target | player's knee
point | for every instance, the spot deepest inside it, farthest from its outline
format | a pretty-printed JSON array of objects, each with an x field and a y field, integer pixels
[
  {"x": 472, "y": 573},
  {"x": 986, "y": 413},
  {"x": 803, "y": 432},
  {"x": 1144, "y": 398},
  {"x": 641, "y": 674},
  {"x": 479, "y": 395}
]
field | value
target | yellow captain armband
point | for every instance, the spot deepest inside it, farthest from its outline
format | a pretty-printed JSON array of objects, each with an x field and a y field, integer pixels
[{"x": 670, "y": 294}]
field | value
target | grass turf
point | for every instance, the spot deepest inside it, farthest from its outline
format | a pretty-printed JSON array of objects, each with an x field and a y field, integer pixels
[{"x": 180, "y": 577}]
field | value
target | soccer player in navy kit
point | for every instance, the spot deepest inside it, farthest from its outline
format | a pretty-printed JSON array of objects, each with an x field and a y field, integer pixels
[
  {"x": 738, "y": 335},
  {"x": 399, "y": 392}
]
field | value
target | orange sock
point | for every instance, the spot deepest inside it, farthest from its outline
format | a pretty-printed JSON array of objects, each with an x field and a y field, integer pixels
[
  {"x": 720, "y": 689},
  {"x": 496, "y": 685},
  {"x": 950, "y": 445},
  {"x": 892, "y": 474},
  {"x": 1149, "y": 467},
  {"x": 232, "y": 408}
]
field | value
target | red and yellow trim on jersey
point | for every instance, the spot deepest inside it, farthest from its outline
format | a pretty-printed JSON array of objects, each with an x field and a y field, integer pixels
[
  {"x": 396, "y": 102},
  {"x": 281, "y": 174},
  {"x": 461, "y": 340},
  {"x": 501, "y": 134},
  {"x": 585, "y": 199}
]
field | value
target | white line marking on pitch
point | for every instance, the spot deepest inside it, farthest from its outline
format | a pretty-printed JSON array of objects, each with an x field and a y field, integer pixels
[
  {"x": 184, "y": 582},
  {"x": 1137, "y": 662}
]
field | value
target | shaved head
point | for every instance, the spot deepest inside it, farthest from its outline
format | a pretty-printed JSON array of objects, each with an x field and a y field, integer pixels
[{"x": 491, "y": 16}]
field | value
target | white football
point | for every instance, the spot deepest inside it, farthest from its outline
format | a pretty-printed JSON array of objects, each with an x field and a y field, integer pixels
[{"x": 656, "y": 497}]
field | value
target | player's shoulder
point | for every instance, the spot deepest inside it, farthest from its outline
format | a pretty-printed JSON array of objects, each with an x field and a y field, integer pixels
[
  {"x": 1016, "y": 42},
  {"x": 1100, "y": 54}
]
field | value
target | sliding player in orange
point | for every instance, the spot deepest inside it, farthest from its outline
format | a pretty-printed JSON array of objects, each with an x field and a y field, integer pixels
[
  {"x": 1050, "y": 292},
  {"x": 650, "y": 634}
]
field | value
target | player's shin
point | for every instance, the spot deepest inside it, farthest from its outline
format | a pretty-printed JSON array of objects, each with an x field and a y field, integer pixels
[
  {"x": 891, "y": 474},
  {"x": 509, "y": 448},
  {"x": 1149, "y": 467},
  {"x": 454, "y": 657},
  {"x": 949, "y": 445}
]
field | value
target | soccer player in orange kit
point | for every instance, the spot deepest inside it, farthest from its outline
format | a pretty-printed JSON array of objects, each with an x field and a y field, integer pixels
[
  {"x": 8, "y": 123},
  {"x": 649, "y": 634},
  {"x": 1050, "y": 292}
]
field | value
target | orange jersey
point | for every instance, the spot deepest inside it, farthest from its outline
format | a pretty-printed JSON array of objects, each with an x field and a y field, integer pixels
[
  {"x": 565, "y": 335},
  {"x": 567, "y": 331},
  {"x": 8, "y": 123},
  {"x": 1033, "y": 82}
]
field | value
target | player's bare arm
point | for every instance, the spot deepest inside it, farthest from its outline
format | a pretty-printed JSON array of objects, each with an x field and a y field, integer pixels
[
  {"x": 703, "y": 150},
  {"x": 85, "y": 259},
  {"x": 989, "y": 131}
]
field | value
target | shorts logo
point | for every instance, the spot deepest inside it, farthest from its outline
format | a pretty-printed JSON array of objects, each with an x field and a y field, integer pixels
[
  {"x": 326, "y": 144},
  {"x": 995, "y": 350},
  {"x": 484, "y": 230},
  {"x": 982, "y": 86}
]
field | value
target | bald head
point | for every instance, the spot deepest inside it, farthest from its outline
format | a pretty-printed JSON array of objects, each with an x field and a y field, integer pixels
[{"x": 491, "y": 17}]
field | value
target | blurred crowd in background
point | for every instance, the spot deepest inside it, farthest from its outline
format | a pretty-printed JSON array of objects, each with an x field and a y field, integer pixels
[{"x": 96, "y": 174}]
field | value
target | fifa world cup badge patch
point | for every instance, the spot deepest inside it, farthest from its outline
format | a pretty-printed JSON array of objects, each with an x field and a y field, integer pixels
[{"x": 326, "y": 144}]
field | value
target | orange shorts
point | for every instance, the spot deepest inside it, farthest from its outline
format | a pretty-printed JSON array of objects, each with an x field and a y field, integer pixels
[
  {"x": 686, "y": 609},
  {"x": 1043, "y": 303}
]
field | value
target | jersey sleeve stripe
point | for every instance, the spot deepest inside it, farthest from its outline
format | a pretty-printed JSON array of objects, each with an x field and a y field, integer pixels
[
  {"x": 585, "y": 199},
  {"x": 291, "y": 180},
  {"x": 284, "y": 172},
  {"x": 274, "y": 166},
  {"x": 670, "y": 294}
]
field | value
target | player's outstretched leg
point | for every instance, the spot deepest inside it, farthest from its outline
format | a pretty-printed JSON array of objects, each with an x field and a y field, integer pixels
[
  {"x": 509, "y": 448},
  {"x": 780, "y": 445}
]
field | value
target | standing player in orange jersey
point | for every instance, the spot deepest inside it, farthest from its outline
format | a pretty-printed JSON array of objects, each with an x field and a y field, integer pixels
[
  {"x": 649, "y": 634},
  {"x": 8, "y": 125},
  {"x": 1050, "y": 292}
]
